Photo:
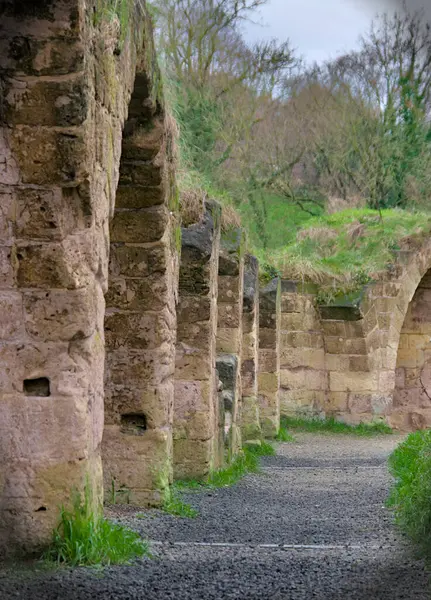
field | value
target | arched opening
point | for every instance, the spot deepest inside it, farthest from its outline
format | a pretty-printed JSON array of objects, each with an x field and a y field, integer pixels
[{"x": 412, "y": 394}]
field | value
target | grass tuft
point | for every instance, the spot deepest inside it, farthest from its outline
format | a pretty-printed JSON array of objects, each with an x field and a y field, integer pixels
[
  {"x": 283, "y": 435},
  {"x": 174, "y": 505},
  {"x": 330, "y": 425},
  {"x": 245, "y": 462},
  {"x": 84, "y": 539},
  {"x": 410, "y": 465}
]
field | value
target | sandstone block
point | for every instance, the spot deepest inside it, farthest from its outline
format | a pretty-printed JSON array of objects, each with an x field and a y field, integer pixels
[
  {"x": 353, "y": 382},
  {"x": 337, "y": 362},
  {"x": 49, "y": 103},
  {"x": 62, "y": 315},
  {"x": 229, "y": 316},
  {"x": 267, "y": 338},
  {"x": 334, "y": 328},
  {"x": 228, "y": 340},
  {"x": 142, "y": 369},
  {"x": 192, "y": 458},
  {"x": 62, "y": 154},
  {"x": 11, "y": 316},
  {"x": 141, "y": 173},
  {"x": 268, "y": 383},
  {"x": 303, "y": 378},
  {"x": 139, "y": 226}
]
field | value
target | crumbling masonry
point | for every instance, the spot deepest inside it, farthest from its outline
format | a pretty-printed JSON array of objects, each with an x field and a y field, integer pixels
[{"x": 188, "y": 360}]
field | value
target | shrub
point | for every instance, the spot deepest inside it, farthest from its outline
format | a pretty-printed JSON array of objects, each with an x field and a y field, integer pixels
[
  {"x": 84, "y": 538},
  {"x": 410, "y": 496}
]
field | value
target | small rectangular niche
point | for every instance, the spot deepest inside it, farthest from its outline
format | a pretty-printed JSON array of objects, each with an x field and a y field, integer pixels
[
  {"x": 37, "y": 387},
  {"x": 134, "y": 424}
]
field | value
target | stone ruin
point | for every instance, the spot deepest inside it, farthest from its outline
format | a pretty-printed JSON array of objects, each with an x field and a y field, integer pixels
[{"x": 133, "y": 350}]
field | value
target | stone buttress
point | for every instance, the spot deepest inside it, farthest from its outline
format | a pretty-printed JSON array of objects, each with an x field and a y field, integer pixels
[
  {"x": 229, "y": 333},
  {"x": 196, "y": 398},
  {"x": 140, "y": 321},
  {"x": 250, "y": 423},
  {"x": 269, "y": 358}
]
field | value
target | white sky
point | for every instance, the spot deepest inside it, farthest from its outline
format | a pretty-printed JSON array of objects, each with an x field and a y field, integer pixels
[{"x": 320, "y": 29}]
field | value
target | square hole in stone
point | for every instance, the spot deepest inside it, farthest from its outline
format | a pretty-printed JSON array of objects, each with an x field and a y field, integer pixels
[
  {"x": 133, "y": 424},
  {"x": 37, "y": 387}
]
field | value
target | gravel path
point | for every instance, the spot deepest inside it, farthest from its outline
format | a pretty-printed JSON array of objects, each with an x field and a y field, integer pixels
[{"x": 312, "y": 525}]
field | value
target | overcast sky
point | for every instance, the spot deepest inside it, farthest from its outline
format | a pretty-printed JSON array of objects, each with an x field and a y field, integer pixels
[{"x": 320, "y": 29}]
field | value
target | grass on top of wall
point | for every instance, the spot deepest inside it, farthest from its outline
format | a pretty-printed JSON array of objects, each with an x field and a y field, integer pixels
[
  {"x": 83, "y": 538},
  {"x": 410, "y": 496},
  {"x": 346, "y": 248},
  {"x": 330, "y": 425}
]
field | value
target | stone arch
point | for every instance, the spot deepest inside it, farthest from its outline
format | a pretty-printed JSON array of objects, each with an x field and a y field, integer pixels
[
  {"x": 405, "y": 361},
  {"x": 66, "y": 77},
  {"x": 387, "y": 307}
]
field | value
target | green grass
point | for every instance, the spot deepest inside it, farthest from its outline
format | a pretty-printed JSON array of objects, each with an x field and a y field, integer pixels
[
  {"x": 83, "y": 538},
  {"x": 174, "y": 505},
  {"x": 282, "y": 222},
  {"x": 245, "y": 462},
  {"x": 410, "y": 496},
  {"x": 346, "y": 248},
  {"x": 283, "y": 435},
  {"x": 330, "y": 425}
]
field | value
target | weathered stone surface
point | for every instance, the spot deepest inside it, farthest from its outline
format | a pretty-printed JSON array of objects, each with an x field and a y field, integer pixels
[
  {"x": 229, "y": 328},
  {"x": 60, "y": 146},
  {"x": 269, "y": 358},
  {"x": 197, "y": 434}
]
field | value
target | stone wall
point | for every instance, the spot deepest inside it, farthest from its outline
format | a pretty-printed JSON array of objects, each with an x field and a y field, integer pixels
[
  {"x": 250, "y": 421},
  {"x": 269, "y": 358},
  {"x": 229, "y": 331},
  {"x": 303, "y": 374},
  {"x": 196, "y": 399}
]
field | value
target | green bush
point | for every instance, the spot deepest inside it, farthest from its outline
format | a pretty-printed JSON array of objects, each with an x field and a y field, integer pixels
[
  {"x": 84, "y": 538},
  {"x": 410, "y": 497}
]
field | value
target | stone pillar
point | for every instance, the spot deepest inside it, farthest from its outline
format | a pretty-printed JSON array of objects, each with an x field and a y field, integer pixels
[
  {"x": 57, "y": 184},
  {"x": 250, "y": 423},
  {"x": 229, "y": 329},
  {"x": 269, "y": 358},
  {"x": 196, "y": 397},
  {"x": 140, "y": 322},
  {"x": 303, "y": 377}
]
